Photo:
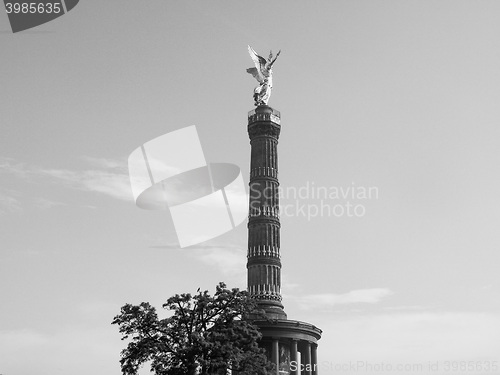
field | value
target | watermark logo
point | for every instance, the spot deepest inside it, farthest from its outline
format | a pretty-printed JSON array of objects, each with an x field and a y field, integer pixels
[
  {"x": 310, "y": 201},
  {"x": 26, "y": 14},
  {"x": 170, "y": 173},
  {"x": 426, "y": 367}
]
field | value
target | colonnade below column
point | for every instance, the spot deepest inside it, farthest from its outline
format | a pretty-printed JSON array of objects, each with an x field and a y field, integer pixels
[{"x": 293, "y": 356}]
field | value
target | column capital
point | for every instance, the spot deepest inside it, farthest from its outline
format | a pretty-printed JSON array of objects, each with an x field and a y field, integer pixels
[{"x": 264, "y": 121}]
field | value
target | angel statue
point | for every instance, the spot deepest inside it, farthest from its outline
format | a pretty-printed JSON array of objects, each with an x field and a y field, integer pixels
[{"x": 264, "y": 74}]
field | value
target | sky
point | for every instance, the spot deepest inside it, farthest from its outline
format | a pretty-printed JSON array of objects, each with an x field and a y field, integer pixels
[{"x": 399, "y": 98}]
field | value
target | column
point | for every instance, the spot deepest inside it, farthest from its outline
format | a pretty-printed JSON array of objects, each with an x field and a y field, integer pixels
[
  {"x": 307, "y": 359},
  {"x": 263, "y": 224},
  {"x": 293, "y": 356},
  {"x": 314, "y": 355},
  {"x": 276, "y": 358}
]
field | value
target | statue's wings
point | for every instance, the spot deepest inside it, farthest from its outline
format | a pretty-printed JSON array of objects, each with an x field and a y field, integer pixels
[
  {"x": 260, "y": 65},
  {"x": 256, "y": 74}
]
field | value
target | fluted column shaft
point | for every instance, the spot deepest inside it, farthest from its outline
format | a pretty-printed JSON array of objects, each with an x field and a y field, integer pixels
[
  {"x": 314, "y": 359},
  {"x": 264, "y": 264},
  {"x": 276, "y": 355},
  {"x": 294, "y": 357},
  {"x": 307, "y": 360}
]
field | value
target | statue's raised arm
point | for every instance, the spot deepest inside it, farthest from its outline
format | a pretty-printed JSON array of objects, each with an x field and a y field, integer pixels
[{"x": 263, "y": 73}]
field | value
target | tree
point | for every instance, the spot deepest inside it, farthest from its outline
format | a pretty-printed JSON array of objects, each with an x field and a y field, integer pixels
[{"x": 205, "y": 335}]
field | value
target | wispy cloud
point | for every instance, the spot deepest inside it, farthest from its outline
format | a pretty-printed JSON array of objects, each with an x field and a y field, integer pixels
[
  {"x": 412, "y": 337},
  {"x": 105, "y": 163},
  {"x": 328, "y": 300},
  {"x": 106, "y": 176},
  {"x": 167, "y": 247},
  {"x": 44, "y": 203},
  {"x": 55, "y": 352},
  {"x": 227, "y": 260},
  {"x": 110, "y": 177},
  {"x": 8, "y": 203},
  {"x": 407, "y": 308},
  {"x": 13, "y": 167},
  {"x": 110, "y": 183},
  {"x": 23, "y": 337}
]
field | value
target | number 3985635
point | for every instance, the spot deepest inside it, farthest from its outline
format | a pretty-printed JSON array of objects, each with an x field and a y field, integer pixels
[{"x": 33, "y": 8}]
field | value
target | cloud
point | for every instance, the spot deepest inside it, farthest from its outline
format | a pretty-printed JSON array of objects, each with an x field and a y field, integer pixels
[
  {"x": 107, "y": 177},
  {"x": 411, "y": 337},
  {"x": 8, "y": 203},
  {"x": 168, "y": 247},
  {"x": 44, "y": 203},
  {"x": 407, "y": 308},
  {"x": 60, "y": 352},
  {"x": 327, "y": 300},
  {"x": 227, "y": 260},
  {"x": 113, "y": 184},
  {"x": 106, "y": 163},
  {"x": 110, "y": 177},
  {"x": 12, "y": 167}
]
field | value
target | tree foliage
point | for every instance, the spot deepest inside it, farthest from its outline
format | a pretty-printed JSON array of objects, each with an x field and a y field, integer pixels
[{"x": 205, "y": 335}]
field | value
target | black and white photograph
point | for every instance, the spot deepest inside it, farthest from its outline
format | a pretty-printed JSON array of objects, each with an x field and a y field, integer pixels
[{"x": 250, "y": 187}]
